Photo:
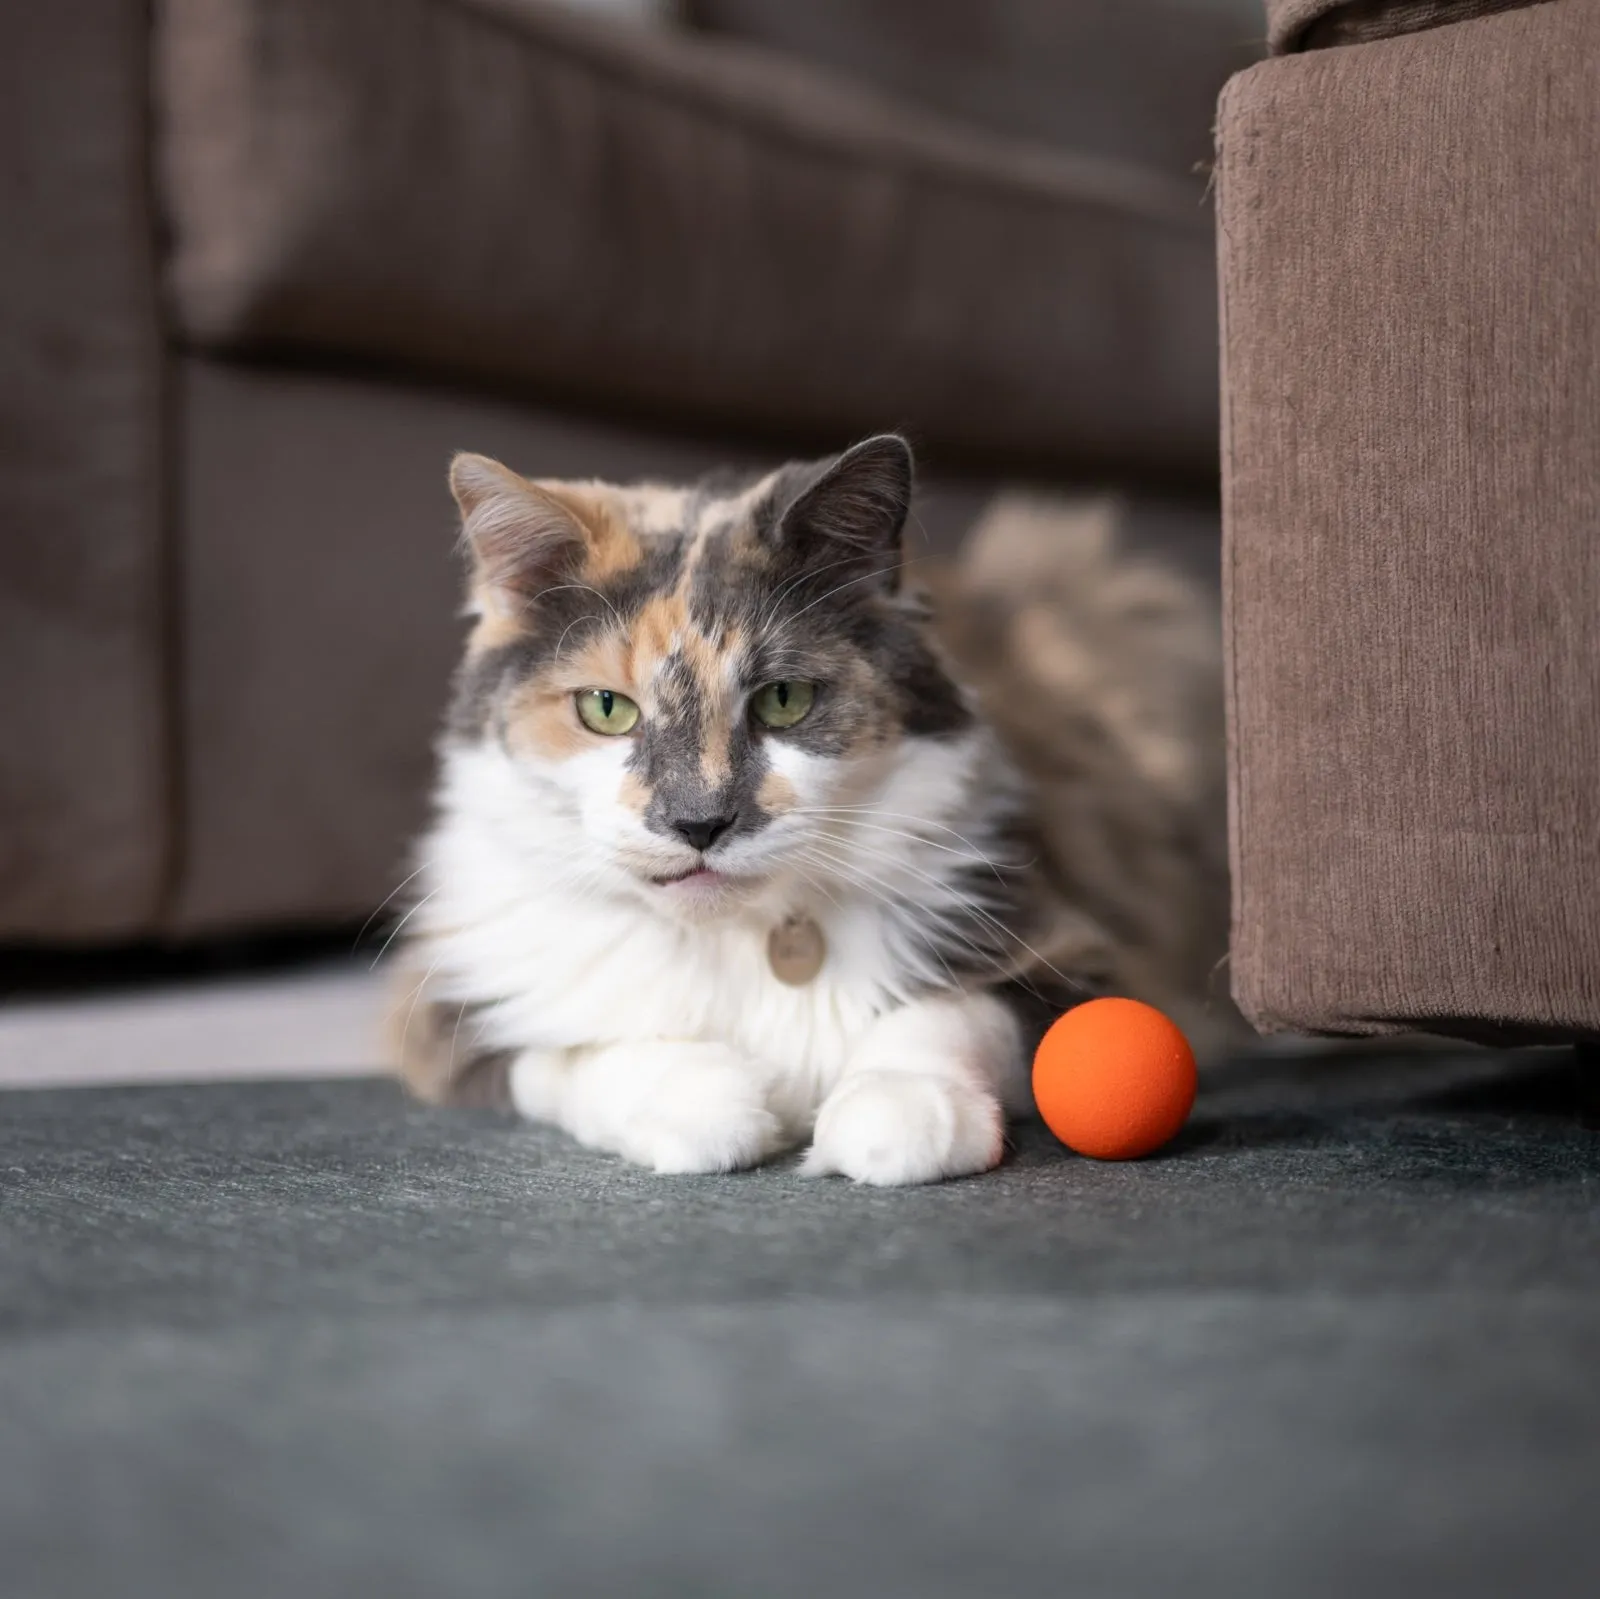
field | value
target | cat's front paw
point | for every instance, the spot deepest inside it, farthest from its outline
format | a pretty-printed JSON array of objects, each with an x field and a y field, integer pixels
[
  {"x": 704, "y": 1111},
  {"x": 896, "y": 1128}
]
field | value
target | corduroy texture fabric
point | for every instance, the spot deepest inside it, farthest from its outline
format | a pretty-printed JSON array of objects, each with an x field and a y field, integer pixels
[
  {"x": 1315, "y": 24},
  {"x": 681, "y": 226},
  {"x": 83, "y": 712},
  {"x": 1410, "y": 253}
]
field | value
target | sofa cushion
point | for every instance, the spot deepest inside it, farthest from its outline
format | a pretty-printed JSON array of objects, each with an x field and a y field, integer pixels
[
  {"x": 1412, "y": 499},
  {"x": 1134, "y": 80},
  {"x": 507, "y": 192},
  {"x": 1315, "y": 24}
]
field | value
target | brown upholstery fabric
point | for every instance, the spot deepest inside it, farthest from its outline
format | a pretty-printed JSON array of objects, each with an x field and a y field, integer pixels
[
  {"x": 676, "y": 225},
  {"x": 1315, "y": 24},
  {"x": 1133, "y": 80},
  {"x": 1410, "y": 245},
  {"x": 84, "y": 824}
]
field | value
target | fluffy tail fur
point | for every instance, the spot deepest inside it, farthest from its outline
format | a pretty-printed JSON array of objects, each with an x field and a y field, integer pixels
[{"x": 1101, "y": 670}]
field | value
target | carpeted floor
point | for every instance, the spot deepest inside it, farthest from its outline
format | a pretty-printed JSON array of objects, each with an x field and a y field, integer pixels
[{"x": 304, "y": 1339}]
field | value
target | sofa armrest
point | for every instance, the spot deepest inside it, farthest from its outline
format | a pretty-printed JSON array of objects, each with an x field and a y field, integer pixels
[{"x": 1410, "y": 262}]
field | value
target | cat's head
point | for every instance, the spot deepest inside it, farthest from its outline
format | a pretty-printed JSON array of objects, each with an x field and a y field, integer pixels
[{"x": 691, "y": 681}]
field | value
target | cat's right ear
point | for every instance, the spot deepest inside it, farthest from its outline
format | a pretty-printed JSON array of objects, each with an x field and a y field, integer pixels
[
  {"x": 523, "y": 537},
  {"x": 849, "y": 510}
]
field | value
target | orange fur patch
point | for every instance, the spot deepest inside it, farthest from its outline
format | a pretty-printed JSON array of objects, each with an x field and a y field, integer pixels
[
  {"x": 494, "y": 627},
  {"x": 716, "y": 746},
  {"x": 710, "y": 667},
  {"x": 656, "y": 631},
  {"x": 705, "y": 660},
  {"x": 776, "y": 794},
  {"x": 542, "y": 721},
  {"x": 634, "y": 795},
  {"x": 599, "y": 660},
  {"x": 613, "y": 546}
]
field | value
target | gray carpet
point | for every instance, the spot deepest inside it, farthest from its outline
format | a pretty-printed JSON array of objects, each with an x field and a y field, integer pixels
[{"x": 310, "y": 1340}]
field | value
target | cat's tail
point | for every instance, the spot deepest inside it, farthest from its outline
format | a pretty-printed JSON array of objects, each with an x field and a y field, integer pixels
[{"x": 1100, "y": 667}]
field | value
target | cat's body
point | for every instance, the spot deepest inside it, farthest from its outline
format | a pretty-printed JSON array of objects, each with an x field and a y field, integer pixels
[{"x": 734, "y": 683}]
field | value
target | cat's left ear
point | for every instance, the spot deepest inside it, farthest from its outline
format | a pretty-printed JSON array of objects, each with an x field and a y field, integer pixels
[{"x": 851, "y": 510}]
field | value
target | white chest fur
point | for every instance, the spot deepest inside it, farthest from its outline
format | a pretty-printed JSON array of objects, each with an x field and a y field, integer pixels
[
  {"x": 508, "y": 922},
  {"x": 515, "y": 921}
]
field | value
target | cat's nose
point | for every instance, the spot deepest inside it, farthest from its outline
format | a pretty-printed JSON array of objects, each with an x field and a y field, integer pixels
[{"x": 702, "y": 832}]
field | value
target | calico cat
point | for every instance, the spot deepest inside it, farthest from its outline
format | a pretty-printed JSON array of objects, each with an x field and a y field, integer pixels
[{"x": 742, "y": 845}]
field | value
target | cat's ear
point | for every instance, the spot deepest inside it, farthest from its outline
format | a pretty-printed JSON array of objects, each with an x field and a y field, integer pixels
[
  {"x": 850, "y": 510},
  {"x": 524, "y": 537}
]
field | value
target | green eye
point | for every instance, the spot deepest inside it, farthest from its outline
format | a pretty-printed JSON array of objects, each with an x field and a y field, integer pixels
[
  {"x": 783, "y": 704},
  {"x": 602, "y": 710}
]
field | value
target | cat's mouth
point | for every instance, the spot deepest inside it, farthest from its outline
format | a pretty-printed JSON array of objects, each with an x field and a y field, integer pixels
[
  {"x": 700, "y": 890},
  {"x": 695, "y": 877}
]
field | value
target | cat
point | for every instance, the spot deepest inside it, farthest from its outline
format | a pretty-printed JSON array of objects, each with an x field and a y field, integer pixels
[{"x": 743, "y": 843}]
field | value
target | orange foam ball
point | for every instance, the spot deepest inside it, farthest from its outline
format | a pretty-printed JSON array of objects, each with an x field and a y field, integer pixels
[{"x": 1114, "y": 1079}]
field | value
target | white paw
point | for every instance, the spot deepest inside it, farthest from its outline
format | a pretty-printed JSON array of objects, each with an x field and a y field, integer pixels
[
  {"x": 705, "y": 1111},
  {"x": 537, "y": 1082},
  {"x": 895, "y": 1128}
]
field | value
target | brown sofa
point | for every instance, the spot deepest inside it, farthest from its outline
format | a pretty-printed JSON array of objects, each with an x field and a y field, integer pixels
[
  {"x": 266, "y": 262},
  {"x": 1409, "y": 225}
]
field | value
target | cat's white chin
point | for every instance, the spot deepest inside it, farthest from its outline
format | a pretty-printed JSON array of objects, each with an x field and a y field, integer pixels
[{"x": 701, "y": 895}]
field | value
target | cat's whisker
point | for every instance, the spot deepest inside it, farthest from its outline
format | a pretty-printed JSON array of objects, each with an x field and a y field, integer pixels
[
  {"x": 941, "y": 919},
  {"x": 576, "y": 622},
  {"x": 770, "y": 609},
  {"x": 387, "y": 900},
  {"x": 971, "y": 855},
  {"x": 866, "y": 577},
  {"x": 932, "y": 929},
  {"x": 985, "y": 915},
  {"x": 879, "y": 888},
  {"x": 416, "y": 995},
  {"x": 969, "y": 852},
  {"x": 1000, "y": 927},
  {"x": 893, "y": 902},
  {"x": 813, "y": 884},
  {"x": 943, "y": 886},
  {"x": 586, "y": 588},
  {"x": 888, "y": 895},
  {"x": 395, "y": 931},
  {"x": 897, "y": 816},
  {"x": 483, "y": 1026},
  {"x": 864, "y": 848}
]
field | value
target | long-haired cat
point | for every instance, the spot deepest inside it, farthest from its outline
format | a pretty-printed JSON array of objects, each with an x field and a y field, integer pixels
[{"x": 742, "y": 845}]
